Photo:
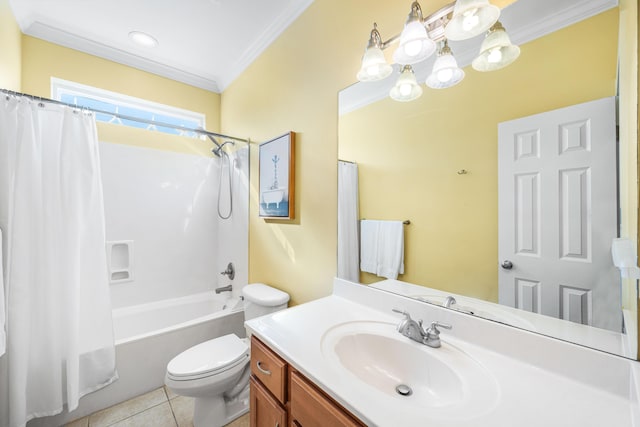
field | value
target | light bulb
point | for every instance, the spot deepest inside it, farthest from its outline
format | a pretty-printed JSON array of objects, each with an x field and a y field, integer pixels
[
  {"x": 495, "y": 55},
  {"x": 405, "y": 89},
  {"x": 445, "y": 75},
  {"x": 413, "y": 47},
  {"x": 470, "y": 20},
  {"x": 373, "y": 70}
]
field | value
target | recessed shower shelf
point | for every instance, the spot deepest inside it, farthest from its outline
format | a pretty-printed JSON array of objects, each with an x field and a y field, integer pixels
[{"x": 120, "y": 261}]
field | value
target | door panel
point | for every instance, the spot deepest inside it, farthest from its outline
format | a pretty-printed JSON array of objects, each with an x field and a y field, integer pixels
[{"x": 558, "y": 207}]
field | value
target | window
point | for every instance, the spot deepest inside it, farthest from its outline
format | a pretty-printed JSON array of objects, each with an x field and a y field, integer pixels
[{"x": 112, "y": 102}]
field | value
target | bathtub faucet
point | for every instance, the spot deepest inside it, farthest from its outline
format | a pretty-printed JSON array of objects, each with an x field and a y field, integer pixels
[{"x": 227, "y": 288}]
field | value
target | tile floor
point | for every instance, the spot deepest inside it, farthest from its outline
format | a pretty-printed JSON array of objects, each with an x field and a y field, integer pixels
[{"x": 158, "y": 408}]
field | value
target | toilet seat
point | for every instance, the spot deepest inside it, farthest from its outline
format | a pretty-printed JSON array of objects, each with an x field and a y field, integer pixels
[{"x": 208, "y": 358}]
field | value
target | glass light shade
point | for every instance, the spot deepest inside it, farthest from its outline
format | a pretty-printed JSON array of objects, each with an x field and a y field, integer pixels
[
  {"x": 470, "y": 18},
  {"x": 374, "y": 65},
  {"x": 496, "y": 51},
  {"x": 415, "y": 44},
  {"x": 406, "y": 87},
  {"x": 446, "y": 72}
]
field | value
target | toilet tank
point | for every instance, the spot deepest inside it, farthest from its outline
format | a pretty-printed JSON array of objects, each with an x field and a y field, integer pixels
[{"x": 260, "y": 299}]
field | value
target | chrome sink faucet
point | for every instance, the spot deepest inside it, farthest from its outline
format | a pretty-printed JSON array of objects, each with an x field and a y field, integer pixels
[
  {"x": 449, "y": 301},
  {"x": 413, "y": 330}
]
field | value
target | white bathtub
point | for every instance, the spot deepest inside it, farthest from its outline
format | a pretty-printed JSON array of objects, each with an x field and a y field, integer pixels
[
  {"x": 148, "y": 336},
  {"x": 140, "y": 321}
]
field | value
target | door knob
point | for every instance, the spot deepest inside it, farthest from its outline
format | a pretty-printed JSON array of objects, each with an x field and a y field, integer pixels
[{"x": 507, "y": 265}]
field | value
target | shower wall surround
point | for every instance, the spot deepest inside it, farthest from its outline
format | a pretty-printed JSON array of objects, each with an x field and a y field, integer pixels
[{"x": 165, "y": 203}]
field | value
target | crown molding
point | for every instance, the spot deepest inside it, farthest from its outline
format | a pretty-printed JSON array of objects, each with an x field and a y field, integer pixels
[
  {"x": 55, "y": 35},
  {"x": 268, "y": 36}
]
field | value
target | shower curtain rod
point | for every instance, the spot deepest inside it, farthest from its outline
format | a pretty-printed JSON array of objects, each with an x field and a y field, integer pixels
[{"x": 125, "y": 117}]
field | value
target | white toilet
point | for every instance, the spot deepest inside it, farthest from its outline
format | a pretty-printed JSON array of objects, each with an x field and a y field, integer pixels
[{"x": 216, "y": 372}]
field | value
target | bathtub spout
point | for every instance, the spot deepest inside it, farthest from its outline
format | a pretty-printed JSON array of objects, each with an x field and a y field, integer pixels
[{"x": 224, "y": 289}]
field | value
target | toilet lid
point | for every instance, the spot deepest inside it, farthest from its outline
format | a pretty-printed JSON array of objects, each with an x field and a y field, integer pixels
[{"x": 210, "y": 356}]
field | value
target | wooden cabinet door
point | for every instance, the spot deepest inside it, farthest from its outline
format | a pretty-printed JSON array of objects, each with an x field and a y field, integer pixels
[
  {"x": 264, "y": 409},
  {"x": 269, "y": 369},
  {"x": 310, "y": 408}
]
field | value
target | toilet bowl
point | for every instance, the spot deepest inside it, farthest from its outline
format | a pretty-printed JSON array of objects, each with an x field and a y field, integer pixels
[{"x": 216, "y": 372}]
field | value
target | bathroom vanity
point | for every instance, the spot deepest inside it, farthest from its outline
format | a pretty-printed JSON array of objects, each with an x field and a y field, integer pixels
[
  {"x": 280, "y": 393},
  {"x": 341, "y": 358}
]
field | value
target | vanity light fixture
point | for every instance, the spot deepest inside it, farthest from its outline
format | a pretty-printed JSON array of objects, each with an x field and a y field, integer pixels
[
  {"x": 406, "y": 87},
  {"x": 496, "y": 51},
  {"x": 374, "y": 65},
  {"x": 459, "y": 20},
  {"x": 446, "y": 72},
  {"x": 415, "y": 45},
  {"x": 143, "y": 39},
  {"x": 471, "y": 18}
]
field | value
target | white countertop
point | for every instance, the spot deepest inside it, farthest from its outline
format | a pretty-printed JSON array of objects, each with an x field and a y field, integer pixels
[{"x": 529, "y": 395}]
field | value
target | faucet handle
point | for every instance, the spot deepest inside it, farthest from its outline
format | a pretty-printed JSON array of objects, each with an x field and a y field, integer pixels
[
  {"x": 402, "y": 326},
  {"x": 397, "y": 310},
  {"x": 432, "y": 335},
  {"x": 435, "y": 325}
]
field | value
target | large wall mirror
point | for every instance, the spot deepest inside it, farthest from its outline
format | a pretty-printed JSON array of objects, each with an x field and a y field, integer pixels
[{"x": 435, "y": 162}]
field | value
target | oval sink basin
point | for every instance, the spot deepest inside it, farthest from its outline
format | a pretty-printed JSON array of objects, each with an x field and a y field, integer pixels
[{"x": 439, "y": 381}]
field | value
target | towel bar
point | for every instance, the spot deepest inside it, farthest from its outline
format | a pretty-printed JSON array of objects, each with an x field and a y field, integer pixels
[{"x": 405, "y": 222}]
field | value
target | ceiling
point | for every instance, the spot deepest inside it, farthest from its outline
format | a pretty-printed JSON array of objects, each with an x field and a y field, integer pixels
[{"x": 204, "y": 43}]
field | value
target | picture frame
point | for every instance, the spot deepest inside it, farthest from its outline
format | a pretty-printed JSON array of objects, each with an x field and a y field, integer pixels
[{"x": 276, "y": 169}]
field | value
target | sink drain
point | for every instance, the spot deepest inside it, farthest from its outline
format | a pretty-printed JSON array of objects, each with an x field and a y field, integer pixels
[{"x": 404, "y": 390}]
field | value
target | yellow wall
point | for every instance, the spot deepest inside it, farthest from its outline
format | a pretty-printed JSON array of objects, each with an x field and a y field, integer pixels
[
  {"x": 409, "y": 153},
  {"x": 293, "y": 86},
  {"x": 42, "y": 60},
  {"x": 11, "y": 47},
  {"x": 628, "y": 52}
]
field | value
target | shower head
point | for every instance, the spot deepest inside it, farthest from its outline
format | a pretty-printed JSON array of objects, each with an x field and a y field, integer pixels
[{"x": 218, "y": 150}]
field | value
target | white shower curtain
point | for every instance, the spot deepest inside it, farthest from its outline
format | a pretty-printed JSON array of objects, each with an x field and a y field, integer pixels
[
  {"x": 60, "y": 343},
  {"x": 348, "y": 249}
]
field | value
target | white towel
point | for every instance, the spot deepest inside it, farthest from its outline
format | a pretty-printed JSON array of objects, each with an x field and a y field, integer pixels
[
  {"x": 369, "y": 245},
  {"x": 3, "y": 335},
  {"x": 382, "y": 248},
  {"x": 390, "y": 249}
]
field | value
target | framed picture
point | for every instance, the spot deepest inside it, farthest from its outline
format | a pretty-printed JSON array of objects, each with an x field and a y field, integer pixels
[{"x": 276, "y": 168}]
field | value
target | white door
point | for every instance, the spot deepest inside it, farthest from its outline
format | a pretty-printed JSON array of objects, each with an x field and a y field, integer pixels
[{"x": 557, "y": 214}]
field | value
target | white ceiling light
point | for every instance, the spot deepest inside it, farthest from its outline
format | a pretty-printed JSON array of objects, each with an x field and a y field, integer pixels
[
  {"x": 446, "y": 72},
  {"x": 406, "y": 87},
  {"x": 374, "y": 66},
  {"x": 143, "y": 39},
  {"x": 415, "y": 44},
  {"x": 496, "y": 51},
  {"x": 470, "y": 18}
]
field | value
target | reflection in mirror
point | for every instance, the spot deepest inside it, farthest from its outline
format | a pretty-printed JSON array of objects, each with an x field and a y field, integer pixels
[{"x": 437, "y": 161}]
